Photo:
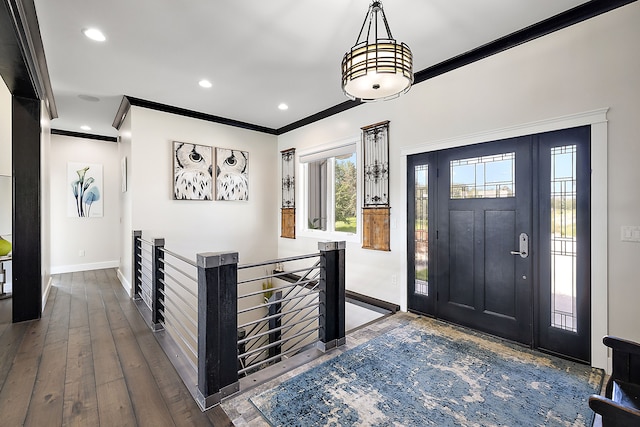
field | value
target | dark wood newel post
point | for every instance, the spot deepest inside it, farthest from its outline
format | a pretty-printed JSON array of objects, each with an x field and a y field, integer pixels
[
  {"x": 217, "y": 327},
  {"x": 26, "y": 232},
  {"x": 332, "y": 294},
  {"x": 276, "y": 322},
  {"x": 157, "y": 287},
  {"x": 136, "y": 253}
]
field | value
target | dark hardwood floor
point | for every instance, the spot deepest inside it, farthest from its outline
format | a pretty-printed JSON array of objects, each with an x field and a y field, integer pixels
[{"x": 90, "y": 361}]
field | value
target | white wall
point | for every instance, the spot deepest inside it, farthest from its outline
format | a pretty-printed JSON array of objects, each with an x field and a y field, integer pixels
[
  {"x": 588, "y": 66},
  {"x": 126, "y": 210},
  {"x": 191, "y": 227},
  {"x": 97, "y": 237}
]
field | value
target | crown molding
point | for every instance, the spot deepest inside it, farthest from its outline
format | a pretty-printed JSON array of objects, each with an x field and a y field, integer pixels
[
  {"x": 129, "y": 101},
  {"x": 63, "y": 132},
  {"x": 344, "y": 106},
  {"x": 563, "y": 20},
  {"x": 558, "y": 22}
]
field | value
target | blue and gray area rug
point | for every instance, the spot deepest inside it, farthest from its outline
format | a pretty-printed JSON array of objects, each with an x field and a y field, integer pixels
[{"x": 432, "y": 374}]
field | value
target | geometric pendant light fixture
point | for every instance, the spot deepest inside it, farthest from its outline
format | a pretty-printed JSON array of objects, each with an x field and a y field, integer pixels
[{"x": 377, "y": 67}]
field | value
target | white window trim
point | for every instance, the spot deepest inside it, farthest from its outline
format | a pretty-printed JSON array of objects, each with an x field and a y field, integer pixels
[{"x": 301, "y": 195}]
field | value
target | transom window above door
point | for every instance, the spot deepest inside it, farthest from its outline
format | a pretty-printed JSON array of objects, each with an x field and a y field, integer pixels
[{"x": 483, "y": 177}]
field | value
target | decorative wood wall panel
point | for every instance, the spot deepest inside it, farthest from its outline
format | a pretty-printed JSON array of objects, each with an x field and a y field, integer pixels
[
  {"x": 376, "y": 210},
  {"x": 288, "y": 214},
  {"x": 375, "y": 229},
  {"x": 288, "y": 225},
  {"x": 375, "y": 146}
]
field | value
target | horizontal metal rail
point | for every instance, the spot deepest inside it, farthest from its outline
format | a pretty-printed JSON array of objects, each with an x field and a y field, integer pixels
[
  {"x": 193, "y": 365},
  {"x": 261, "y": 324},
  {"x": 146, "y": 290},
  {"x": 288, "y": 303},
  {"x": 146, "y": 249},
  {"x": 173, "y": 267},
  {"x": 255, "y": 344},
  {"x": 285, "y": 327},
  {"x": 142, "y": 258},
  {"x": 258, "y": 326},
  {"x": 190, "y": 305},
  {"x": 298, "y": 296},
  {"x": 281, "y": 328},
  {"x": 295, "y": 347},
  {"x": 145, "y": 272},
  {"x": 279, "y": 288},
  {"x": 180, "y": 257},
  {"x": 300, "y": 283},
  {"x": 146, "y": 285},
  {"x": 253, "y": 322},
  {"x": 177, "y": 282},
  {"x": 167, "y": 300},
  {"x": 146, "y": 293},
  {"x": 271, "y": 359},
  {"x": 276, "y": 343},
  {"x": 254, "y": 341},
  {"x": 277, "y": 261},
  {"x": 148, "y": 242},
  {"x": 186, "y": 343},
  {"x": 177, "y": 319},
  {"x": 277, "y": 275}
]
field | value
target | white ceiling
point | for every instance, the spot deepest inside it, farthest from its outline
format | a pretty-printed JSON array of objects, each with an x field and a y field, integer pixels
[{"x": 257, "y": 54}]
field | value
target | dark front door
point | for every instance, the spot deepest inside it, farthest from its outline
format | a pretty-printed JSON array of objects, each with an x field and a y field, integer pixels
[
  {"x": 499, "y": 239},
  {"x": 484, "y": 230}
]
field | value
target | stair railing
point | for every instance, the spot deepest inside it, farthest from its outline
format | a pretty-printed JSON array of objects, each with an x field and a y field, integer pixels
[{"x": 197, "y": 303}]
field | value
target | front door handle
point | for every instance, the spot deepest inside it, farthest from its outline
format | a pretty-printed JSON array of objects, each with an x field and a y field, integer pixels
[{"x": 524, "y": 246}]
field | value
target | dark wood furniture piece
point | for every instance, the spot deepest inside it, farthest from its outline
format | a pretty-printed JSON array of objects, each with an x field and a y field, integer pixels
[{"x": 620, "y": 406}]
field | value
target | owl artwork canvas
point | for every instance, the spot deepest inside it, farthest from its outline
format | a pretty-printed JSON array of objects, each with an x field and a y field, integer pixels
[
  {"x": 232, "y": 174},
  {"x": 192, "y": 171}
]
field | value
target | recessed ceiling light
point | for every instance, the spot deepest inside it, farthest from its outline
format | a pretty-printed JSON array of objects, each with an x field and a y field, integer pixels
[
  {"x": 85, "y": 127},
  {"x": 283, "y": 106},
  {"x": 89, "y": 98},
  {"x": 94, "y": 34},
  {"x": 205, "y": 83}
]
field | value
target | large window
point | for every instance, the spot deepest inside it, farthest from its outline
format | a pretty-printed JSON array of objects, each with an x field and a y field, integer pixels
[{"x": 330, "y": 191}]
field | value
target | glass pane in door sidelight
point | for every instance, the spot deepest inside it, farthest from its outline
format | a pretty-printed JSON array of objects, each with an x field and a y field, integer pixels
[
  {"x": 422, "y": 230},
  {"x": 563, "y": 238}
]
